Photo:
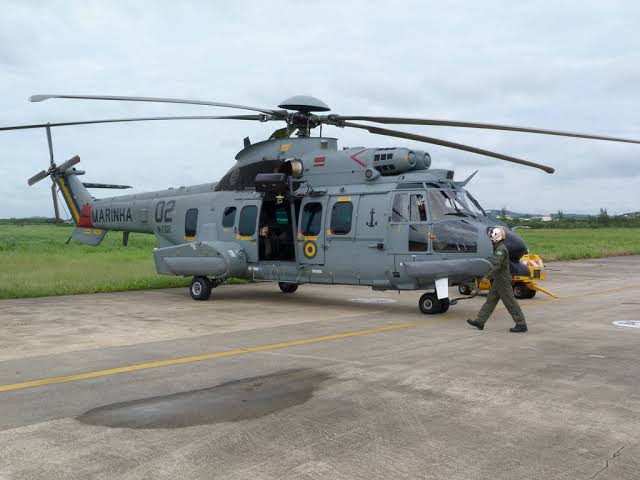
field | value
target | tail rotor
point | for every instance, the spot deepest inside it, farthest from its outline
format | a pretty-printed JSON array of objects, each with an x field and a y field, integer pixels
[{"x": 53, "y": 172}]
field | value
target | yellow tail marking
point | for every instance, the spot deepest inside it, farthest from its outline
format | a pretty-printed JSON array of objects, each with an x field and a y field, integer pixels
[{"x": 67, "y": 196}]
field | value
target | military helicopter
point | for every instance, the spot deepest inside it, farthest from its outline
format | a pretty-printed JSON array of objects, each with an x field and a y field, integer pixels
[{"x": 295, "y": 209}]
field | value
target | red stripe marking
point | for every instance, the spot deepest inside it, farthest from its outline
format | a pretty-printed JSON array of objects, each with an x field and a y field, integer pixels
[
  {"x": 85, "y": 216},
  {"x": 358, "y": 161},
  {"x": 319, "y": 161}
]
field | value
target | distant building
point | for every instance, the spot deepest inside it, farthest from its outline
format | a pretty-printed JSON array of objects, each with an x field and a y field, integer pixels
[{"x": 546, "y": 218}]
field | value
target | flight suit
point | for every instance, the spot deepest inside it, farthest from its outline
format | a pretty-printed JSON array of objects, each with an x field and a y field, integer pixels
[{"x": 501, "y": 288}]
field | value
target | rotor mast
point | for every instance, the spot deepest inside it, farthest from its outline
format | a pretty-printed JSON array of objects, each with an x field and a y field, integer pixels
[{"x": 303, "y": 119}]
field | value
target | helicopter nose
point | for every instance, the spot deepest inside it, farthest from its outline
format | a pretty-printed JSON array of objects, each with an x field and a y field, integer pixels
[{"x": 485, "y": 247}]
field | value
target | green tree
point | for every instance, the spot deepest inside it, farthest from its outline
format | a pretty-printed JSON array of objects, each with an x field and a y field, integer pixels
[{"x": 603, "y": 218}]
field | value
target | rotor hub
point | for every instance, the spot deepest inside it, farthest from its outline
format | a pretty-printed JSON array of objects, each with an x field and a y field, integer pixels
[{"x": 304, "y": 104}]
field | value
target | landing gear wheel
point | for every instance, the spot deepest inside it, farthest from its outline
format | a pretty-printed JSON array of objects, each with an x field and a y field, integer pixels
[
  {"x": 444, "y": 305},
  {"x": 430, "y": 304},
  {"x": 464, "y": 289},
  {"x": 521, "y": 291},
  {"x": 288, "y": 287},
  {"x": 200, "y": 288}
]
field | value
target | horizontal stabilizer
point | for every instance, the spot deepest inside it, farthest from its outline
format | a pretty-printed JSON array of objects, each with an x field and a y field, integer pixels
[
  {"x": 106, "y": 185},
  {"x": 89, "y": 236}
]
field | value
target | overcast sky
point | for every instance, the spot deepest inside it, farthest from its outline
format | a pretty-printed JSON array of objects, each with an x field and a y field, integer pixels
[{"x": 564, "y": 65}]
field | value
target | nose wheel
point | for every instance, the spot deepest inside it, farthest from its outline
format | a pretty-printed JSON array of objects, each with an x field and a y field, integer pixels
[
  {"x": 288, "y": 287},
  {"x": 522, "y": 291},
  {"x": 430, "y": 304}
]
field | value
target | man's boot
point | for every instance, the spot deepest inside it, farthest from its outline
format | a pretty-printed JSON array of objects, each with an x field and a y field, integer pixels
[
  {"x": 475, "y": 323},
  {"x": 519, "y": 328}
]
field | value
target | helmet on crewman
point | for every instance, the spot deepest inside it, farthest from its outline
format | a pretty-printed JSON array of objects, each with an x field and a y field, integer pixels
[{"x": 497, "y": 234}]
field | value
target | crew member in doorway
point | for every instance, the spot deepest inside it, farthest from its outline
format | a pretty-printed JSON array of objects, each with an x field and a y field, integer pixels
[
  {"x": 275, "y": 235},
  {"x": 501, "y": 288}
]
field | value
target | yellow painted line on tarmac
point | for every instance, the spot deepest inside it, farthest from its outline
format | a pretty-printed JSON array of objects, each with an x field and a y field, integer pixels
[
  {"x": 264, "y": 348},
  {"x": 200, "y": 358}
]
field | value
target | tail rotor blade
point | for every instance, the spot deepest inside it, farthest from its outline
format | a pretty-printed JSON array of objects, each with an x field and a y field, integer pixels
[
  {"x": 69, "y": 163},
  {"x": 55, "y": 201},
  {"x": 37, "y": 177}
]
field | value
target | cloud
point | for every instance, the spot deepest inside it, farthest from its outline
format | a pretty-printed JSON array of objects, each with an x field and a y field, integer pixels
[{"x": 570, "y": 68}]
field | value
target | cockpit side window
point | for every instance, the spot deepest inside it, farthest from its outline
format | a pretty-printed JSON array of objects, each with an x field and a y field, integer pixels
[
  {"x": 454, "y": 236},
  {"x": 417, "y": 208},
  {"x": 400, "y": 209}
]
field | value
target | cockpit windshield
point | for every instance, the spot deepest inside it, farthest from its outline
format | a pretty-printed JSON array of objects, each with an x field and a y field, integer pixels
[
  {"x": 446, "y": 203},
  {"x": 475, "y": 206}
]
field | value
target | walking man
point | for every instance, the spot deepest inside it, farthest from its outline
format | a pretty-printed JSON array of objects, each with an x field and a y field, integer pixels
[{"x": 501, "y": 288}]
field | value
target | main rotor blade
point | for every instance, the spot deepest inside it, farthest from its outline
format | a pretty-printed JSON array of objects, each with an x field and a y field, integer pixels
[
  {"x": 37, "y": 177},
  {"x": 488, "y": 126},
  {"x": 50, "y": 143},
  {"x": 260, "y": 118},
  {"x": 40, "y": 98},
  {"x": 69, "y": 163},
  {"x": 445, "y": 143},
  {"x": 56, "y": 209}
]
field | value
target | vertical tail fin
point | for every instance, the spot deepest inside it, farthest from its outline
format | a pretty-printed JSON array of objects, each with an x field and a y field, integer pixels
[
  {"x": 78, "y": 200},
  {"x": 76, "y": 196}
]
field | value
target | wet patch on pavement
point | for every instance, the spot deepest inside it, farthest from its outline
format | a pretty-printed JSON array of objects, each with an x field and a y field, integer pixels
[{"x": 244, "y": 399}]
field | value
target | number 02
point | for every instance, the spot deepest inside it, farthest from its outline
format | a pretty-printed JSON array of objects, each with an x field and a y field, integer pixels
[{"x": 163, "y": 210}]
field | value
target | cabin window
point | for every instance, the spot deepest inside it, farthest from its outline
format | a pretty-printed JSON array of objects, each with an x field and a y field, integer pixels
[
  {"x": 311, "y": 222},
  {"x": 454, "y": 236},
  {"x": 400, "y": 210},
  {"x": 247, "y": 221},
  {"x": 341, "y": 215},
  {"x": 419, "y": 237},
  {"x": 191, "y": 222},
  {"x": 229, "y": 217},
  {"x": 418, "y": 208}
]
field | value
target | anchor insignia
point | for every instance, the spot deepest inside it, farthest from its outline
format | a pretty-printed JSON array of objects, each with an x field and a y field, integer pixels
[{"x": 372, "y": 223}]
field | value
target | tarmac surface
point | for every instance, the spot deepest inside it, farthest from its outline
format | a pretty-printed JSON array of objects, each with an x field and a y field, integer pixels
[{"x": 256, "y": 384}]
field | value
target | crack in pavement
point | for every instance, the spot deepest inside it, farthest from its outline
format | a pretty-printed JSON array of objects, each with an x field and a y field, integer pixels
[{"x": 606, "y": 465}]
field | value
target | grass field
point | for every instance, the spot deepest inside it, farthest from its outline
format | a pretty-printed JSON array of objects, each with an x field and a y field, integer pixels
[
  {"x": 578, "y": 243},
  {"x": 35, "y": 261}
]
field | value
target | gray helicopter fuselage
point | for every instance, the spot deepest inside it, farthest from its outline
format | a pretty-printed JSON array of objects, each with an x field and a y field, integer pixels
[{"x": 357, "y": 216}]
